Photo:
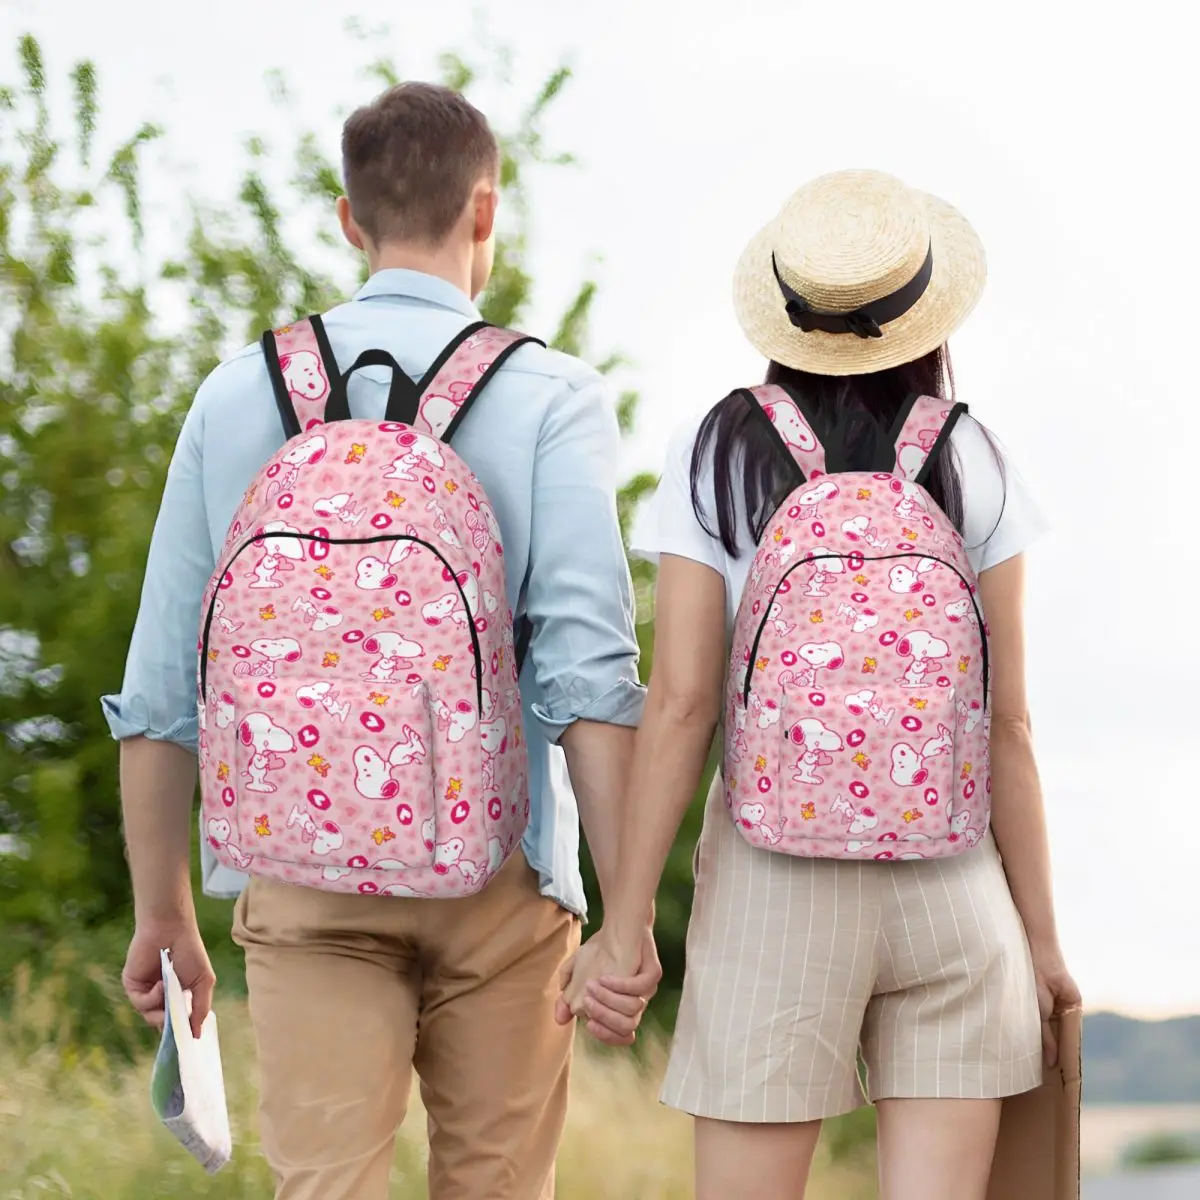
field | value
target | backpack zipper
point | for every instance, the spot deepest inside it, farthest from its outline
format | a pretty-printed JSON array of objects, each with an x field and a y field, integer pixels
[
  {"x": 873, "y": 558},
  {"x": 332, "y": 541}
]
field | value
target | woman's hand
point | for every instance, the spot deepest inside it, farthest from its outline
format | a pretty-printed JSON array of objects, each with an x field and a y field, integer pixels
[
  {"x": 610, "y": 987},
  {"x": 1056, "y": 992}
]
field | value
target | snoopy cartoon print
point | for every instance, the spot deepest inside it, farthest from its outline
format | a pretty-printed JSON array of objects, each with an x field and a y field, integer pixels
[
  {"x": 791, "y": 426},
  {"x": 753, "y": 817},
  {"x": 221, "y": 706},
  {"x": 739, "y": 746},
  {"x": 860, "y": 620},
  {"x": 373, "y": 574},
  {"x": 306, "y": 453},
  {"x": 455, "y": 722},
  {"x": 450, "y": 606},
  {"x": 816, "y": 741},
  {"x": 925, "y": 653},
  {"x": 766, "y": 712},
  {"x": 227, "y": 625},
  {"x": 825, "y": 569},
  {"x": 969, "y": 715},
  {"x": 493, "y": 737},
  {"x": 810, "y": 501},
  {"x": 863, "y": 702},
  {"x": 271, "y": 651},
  {"x": 418, "y": 453},
  {"x": 318, "y": 619},
  {"x": 325, "y": 836},
  {"x": 339, "y": 507},
  {"x": 860, "y": 529},
  {"x": 394, "y": 653},
  {"x": 962, "y": 610},
  {"x": 910, "y": 766},
  {"x": 448, "y": 855},
  {"x": 820, "y": 656},
  {"x": 960, "y": 825},
  {"x": 910, "y": 504},
  {"x": 904, "y": 580},
  {"x": 483, "y": 527},
  {"x": 439, "y": 410},
  {"x": 219, "y": 831},
  {"x": 267, "y": 741},
  {"x": 373, "y": 777},
  {"x": 782, "y": 626},
  {"x": 322, "y": 693},
  {"x": 441, "y": 523},
  {"x": 861, "y": 820},
  {"x": 304, "y": 375},
  {"x": 279, "y": 550}
]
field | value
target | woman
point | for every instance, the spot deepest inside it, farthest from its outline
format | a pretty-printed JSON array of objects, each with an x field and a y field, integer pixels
[{"x": 940, "y": 965}]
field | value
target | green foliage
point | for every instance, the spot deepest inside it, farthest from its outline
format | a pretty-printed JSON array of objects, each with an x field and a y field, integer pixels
[
  {"x": 1162, "y": 1149},
  {"x": 93, "y": 387}
]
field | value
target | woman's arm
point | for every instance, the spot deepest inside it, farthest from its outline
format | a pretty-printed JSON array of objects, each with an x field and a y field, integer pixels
[
  {"x": 1018, "y": 813},
  {"x": 683, "y": 705}
]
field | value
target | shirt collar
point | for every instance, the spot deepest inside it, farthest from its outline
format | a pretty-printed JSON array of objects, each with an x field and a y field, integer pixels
[{"x": 396, "y": 281}]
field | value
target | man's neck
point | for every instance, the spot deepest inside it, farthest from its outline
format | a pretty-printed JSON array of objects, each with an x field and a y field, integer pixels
[{"x": 446, "y": 262}]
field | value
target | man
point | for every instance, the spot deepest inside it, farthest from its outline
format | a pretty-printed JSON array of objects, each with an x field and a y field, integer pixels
[{"x": 347, "y": 992}]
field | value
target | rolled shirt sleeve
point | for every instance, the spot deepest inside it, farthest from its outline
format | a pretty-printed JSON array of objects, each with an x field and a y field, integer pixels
[
  {"x": 158, "y": 695},
  {"x": 579, "y": 595}
]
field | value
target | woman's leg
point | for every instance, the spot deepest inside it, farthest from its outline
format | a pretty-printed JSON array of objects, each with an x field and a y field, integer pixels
[
  {"x": 953, "y": 1027},
  {"x": 740, "y": 1161},
  {"x": 936, "y": 1149}
]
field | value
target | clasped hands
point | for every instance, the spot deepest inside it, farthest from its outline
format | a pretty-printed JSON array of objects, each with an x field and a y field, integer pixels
[{"x": 608, "y": 986}]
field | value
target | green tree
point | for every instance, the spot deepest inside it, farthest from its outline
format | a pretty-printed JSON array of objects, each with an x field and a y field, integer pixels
[{"x": 93, "y": 387}]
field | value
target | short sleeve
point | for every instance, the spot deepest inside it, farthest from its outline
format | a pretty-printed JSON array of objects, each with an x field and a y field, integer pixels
[
  {"x": 1001, "y": 519},
  {"x": 667, "y": 522}
]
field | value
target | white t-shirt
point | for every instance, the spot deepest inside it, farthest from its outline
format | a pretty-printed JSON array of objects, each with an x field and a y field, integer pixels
[{"x": 1000, "y": 518}]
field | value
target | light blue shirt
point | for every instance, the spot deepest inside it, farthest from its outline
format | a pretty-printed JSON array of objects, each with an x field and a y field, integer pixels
[{"x": 542, "y": 439}]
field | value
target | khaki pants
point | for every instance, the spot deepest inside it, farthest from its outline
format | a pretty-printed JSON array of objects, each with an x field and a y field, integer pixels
[{"x": 348, "y": 993}]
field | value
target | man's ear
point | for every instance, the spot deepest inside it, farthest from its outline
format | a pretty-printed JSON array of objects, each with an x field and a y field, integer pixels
[
  {"x": 486, "y": 198},
  {"x": 350, "y": 229}
]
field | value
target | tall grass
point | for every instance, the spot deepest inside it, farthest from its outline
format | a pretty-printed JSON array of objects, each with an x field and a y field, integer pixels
[{"x": 76, "y": 1122}]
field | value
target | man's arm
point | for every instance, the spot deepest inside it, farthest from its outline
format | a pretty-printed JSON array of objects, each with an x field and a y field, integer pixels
[
  {"x": 155, "y": 719},
  {"x": 579, "y": 598}
]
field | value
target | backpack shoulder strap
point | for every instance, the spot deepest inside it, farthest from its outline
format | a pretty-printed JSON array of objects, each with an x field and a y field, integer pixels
[
  {"x": 784, "y": 413},
  {"x": 302, "y": 368},
  {"x": 922, "y": 429},
  {"x": 449, "y": 388}
]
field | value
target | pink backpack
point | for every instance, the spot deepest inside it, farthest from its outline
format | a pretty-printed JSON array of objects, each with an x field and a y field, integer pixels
[
  {"x": 360, "y": 720},
  {"x": 856, "y": 711}
]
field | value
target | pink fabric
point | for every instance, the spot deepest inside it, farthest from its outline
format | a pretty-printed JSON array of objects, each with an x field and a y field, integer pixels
[
  {"x": 452, "y": 384},
  {"x": 921, "y": 428},
  {"x": 796, "y": 432},
  {"x": 303, "y": 371},
  {"x": 351, "y": 738},
  {"x": 864, "y": 733}
]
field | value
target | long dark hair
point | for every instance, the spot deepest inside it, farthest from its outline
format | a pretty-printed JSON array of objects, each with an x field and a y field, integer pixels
[{"x": 853, "y": 412}]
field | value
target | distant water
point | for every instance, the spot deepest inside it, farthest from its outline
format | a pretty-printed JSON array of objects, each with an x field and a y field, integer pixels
[
  {"x": 1106, "y": 1131},
  {"x": 1158, "y": 1183}
]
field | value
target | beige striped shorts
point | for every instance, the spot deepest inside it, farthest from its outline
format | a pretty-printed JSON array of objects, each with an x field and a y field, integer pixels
[{"x": 797, "y": 967}]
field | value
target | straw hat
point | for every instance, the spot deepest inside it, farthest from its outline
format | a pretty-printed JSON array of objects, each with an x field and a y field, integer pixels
[{"x": 857, "y": 273}]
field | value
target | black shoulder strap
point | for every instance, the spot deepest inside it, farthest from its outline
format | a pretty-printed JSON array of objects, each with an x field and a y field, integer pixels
[
  {"x": 306, "y": 336},
  {"x": 460, "y": 373}
]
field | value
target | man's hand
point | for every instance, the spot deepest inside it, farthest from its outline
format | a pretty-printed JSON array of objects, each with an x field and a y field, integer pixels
[
  {"x": 610, "y": 988},
  {"x": 142, "y": 977}
]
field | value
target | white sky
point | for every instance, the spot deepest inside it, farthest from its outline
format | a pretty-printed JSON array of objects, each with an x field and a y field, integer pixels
[{"x": 1066, "y": 136}]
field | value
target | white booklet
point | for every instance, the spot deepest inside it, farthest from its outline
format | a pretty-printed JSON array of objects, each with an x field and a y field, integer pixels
[{"x": 187, "y": 1087}]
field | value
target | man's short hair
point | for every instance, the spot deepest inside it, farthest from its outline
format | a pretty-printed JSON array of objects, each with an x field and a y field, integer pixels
[{"x": 410, "y": 159}]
